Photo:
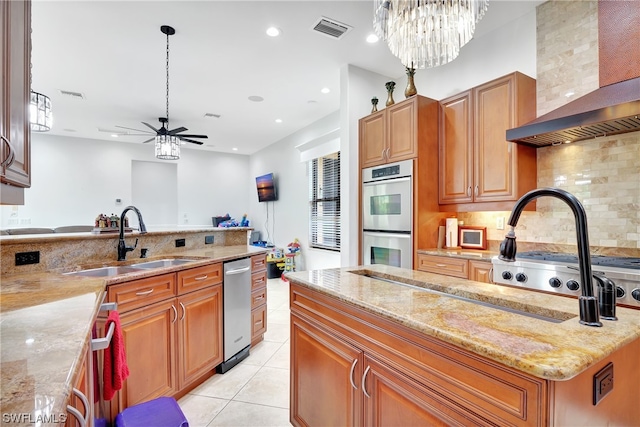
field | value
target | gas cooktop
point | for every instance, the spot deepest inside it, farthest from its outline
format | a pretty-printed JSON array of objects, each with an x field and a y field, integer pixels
[{"x": 606, "y": 261}]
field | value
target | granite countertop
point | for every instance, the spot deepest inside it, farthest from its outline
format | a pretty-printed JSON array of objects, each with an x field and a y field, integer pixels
[
  {"x": 553, "y": 351},
  {"x": 473, "y": 254},
  {"x": 45, "y": 324}
]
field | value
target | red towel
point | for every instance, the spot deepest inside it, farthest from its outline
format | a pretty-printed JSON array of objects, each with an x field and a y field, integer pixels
[{"x": 115, "y": 369}]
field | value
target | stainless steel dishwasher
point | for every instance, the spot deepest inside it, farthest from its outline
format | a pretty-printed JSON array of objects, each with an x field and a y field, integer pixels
[{"x": 237, "y": 312}]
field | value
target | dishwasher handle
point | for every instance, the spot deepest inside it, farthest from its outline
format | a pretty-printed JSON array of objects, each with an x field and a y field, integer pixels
[{"x": 238, "y": 270}]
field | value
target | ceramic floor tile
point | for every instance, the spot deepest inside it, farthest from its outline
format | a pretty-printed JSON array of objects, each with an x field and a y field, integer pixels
[
  {"x": 239, "y": 414},
  {"x": 227, "y": 385},
  {"x": 200, "y": 410},
  {"x": 270, "y": 386},
  {"x": 276, "y": 333},
  {"x": 278, "y": 316},
  {"x": 281, "y": 358},
  {"x": 262, "y": 352}
]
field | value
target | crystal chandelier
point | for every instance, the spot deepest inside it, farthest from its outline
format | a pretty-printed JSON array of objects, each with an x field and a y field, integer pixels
[
  {"x": 40, "y": 112},
  {"x": 167, "y": 147},
  {"x": 427, "y": 33}
]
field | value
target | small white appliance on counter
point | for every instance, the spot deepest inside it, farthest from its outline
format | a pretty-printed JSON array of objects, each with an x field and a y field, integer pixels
[{"x": 387, "y": 206}]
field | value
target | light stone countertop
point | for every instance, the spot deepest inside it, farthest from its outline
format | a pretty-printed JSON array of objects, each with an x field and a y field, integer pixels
[
  {"x": 553, "y": 351},
  {"x": 45, "y": 325}
]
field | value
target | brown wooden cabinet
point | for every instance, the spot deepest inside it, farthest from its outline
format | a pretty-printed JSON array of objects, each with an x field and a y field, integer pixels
[
  {"x": 352, "y": 368},
  {"x": 258, "y": 298},
  {"x": 15, "y": 90},
  {"x": 172, "y": 330},
  {"x": 479, "y": 169},
  {"x": 480, "y": 271},
  {"x": 392, "y": 134}
]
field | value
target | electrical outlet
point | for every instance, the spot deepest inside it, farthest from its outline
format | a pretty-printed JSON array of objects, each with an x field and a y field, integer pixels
[
  {"x": 602, "y": 383},
  {"x": 208, "y": 240},
  {"x": 500, "y": 223},
  {"x": 25, "y": 258},
  {"x": 180, "y": 243}
]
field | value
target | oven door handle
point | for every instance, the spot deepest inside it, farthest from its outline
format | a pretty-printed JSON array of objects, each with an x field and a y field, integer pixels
[
  {"x": 406, "y": 235},
  {"x": 386, "y": 181}
]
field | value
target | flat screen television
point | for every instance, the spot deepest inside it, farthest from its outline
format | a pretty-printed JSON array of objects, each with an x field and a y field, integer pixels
[{"x": 266, "y": 188}]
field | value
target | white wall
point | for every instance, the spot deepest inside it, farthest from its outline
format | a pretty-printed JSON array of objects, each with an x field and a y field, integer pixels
[
  {"x": 289, "y": 215},
  {"x": 73, "y": 180}
]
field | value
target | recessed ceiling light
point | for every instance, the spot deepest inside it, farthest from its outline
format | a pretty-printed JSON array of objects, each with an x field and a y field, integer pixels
[
  {"x": 256, "y": 98},
  {"x": 278, "y": 120},
  {"x": 235, "y": 149},
  {"x": 114, "y": 135},
  {"x": 312, "y": 101},
  {"x": 372, "y": 38},
  {"x": 325, "y": 90},
  {"x": 273, "y": 31}
]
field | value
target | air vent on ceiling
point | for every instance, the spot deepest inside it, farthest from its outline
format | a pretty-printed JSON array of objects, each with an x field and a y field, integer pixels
[
  {"x": 77, "y": 95},
  {"x": 211, "y": 115},
  {"x": 113, "y": 132},
  {"x": 331, "y": 28}
]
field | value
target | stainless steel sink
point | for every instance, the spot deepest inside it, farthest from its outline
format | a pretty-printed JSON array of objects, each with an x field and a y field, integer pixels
[
  {"x": 105, "y": 271},
  {"x": 162, "y": 263}
]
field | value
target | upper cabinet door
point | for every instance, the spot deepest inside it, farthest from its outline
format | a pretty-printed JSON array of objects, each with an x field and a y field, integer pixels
[
  {"x": 15, "y": 28},
  {"x": 402, "y": 131},
  {"x": 456, "y": 149},
  {"x": 372, "y": 139}
]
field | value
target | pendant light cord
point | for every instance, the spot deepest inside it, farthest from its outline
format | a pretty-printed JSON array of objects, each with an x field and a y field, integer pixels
[{"x": 167, "y": 113}]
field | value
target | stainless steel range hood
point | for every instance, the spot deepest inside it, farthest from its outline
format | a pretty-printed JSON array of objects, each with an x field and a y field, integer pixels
[{"x": 612, "y": 109}]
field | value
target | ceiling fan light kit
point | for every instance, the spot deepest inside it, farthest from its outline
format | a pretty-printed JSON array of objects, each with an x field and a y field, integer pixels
[{"x": 167, "y": 142}]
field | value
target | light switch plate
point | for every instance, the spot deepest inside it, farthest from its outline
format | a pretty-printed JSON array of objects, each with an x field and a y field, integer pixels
[{"x": 500, "y": 223}]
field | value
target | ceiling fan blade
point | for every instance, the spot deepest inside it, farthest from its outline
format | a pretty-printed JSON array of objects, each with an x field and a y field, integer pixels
[
  {"x": 137, "y": 130},
  {"x": 191, "y": 141},
  {"x": 149, "y": 140},
  {"x": 193, "y": 136},
  {"x": 150, "y": 127},
  {"x": 177, "y": 130}
]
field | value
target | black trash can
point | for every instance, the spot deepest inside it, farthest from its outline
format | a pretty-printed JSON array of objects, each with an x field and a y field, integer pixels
[{"x": 273, "y": 271}]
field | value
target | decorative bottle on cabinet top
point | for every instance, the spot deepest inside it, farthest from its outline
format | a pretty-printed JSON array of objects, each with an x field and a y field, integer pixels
[{"x": 390, "y": 86}]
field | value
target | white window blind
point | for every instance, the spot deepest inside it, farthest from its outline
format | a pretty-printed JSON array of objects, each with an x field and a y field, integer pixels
[{"x": 324, "y": 202}]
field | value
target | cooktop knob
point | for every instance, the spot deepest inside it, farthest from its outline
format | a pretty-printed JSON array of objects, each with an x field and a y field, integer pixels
[
  {"x": 506, "y": 275},
  {"x": 555, "y": 282},
  {"x": 521, "y": 277},
  {"x": 574, "y": 286},
  {"x": 636, "y": 294},
  {"x": 620, "y": 293}
]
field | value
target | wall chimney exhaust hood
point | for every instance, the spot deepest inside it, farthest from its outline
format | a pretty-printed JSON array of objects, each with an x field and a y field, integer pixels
[{"x": 612, "y": 109}]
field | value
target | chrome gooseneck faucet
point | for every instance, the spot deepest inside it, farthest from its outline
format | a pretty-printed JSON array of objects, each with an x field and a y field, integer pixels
[
  {"x": 589, "y": 314},
  {"x": 122, "y": 247}
]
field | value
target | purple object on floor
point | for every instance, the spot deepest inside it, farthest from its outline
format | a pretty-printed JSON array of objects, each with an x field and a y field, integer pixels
[{"x": 159, "y": 412}]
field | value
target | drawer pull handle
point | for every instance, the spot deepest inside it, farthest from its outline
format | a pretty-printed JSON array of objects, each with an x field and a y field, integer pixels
[
  {"x": 201, "y": 277},
  {"x": 259, "y": 322},
  {"x": 353, "y": 368},
  {"x": 143, "y": 293},
  {"x": 364, "y": 378},
  {"x": 259, "y": 298},
  {"x": 441, "y": 265},
  {"x": 184, "y": 311}
]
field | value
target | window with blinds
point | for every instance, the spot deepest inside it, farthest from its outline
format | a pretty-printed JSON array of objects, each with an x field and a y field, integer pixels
[{"x": 324, "y": 202}]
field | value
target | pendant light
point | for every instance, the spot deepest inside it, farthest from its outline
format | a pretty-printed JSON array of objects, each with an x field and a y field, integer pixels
[
  {"x": 40, "y": 116},
  {"x": 167, "y": 146}
]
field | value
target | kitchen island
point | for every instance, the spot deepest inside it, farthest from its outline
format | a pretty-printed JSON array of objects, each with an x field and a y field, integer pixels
[
  {"x": 46, "y": 321},
  {"x": 379, "y": 345}
]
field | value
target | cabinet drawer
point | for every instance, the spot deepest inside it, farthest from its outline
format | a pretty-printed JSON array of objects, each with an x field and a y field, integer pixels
[
  {"x": 443, "y": 265},
  {"x": 199, "y": 277},
  {"x": 258, "y": 280},
  {"x": 139, "y": 293},
  {"x": 258, "y": 262},
  {"x": 258, "y": 321},
  {"x": 258, "y": 298}
]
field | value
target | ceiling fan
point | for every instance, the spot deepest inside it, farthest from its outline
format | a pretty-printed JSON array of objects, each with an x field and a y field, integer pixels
[{"x": 163, "y": 130}]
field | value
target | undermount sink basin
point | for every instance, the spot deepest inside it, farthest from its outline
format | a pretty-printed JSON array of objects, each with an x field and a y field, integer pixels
[
  {"x": 105, "y": 271},
  {"x": 162, "y": 263}
]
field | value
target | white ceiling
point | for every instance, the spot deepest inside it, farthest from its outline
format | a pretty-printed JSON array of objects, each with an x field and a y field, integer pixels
[{"x": 114, "y": 54}]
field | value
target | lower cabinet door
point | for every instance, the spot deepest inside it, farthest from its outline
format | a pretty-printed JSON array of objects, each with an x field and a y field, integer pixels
[
  {"x": 199, "y": 333},
  {"x": 149, "y": 335},
  {"x": 393, "y": 399},
  {"x": 325, "y": 378}
]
